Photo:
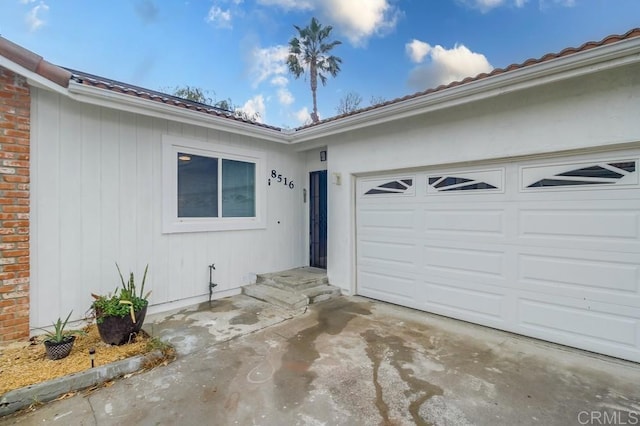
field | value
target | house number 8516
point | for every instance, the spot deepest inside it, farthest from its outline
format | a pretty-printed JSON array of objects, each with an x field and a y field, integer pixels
[{"x": 281, "y": 179}]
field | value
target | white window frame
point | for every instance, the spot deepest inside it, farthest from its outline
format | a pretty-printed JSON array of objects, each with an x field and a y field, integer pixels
[{"x": 171, "y": 223}]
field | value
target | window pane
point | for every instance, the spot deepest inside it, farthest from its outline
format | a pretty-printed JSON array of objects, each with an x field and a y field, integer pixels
[
  {"x": 197, "y": 186},
  {"x": 238, "y": 189}
]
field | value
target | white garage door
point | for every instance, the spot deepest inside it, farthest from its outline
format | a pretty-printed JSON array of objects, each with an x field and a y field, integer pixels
[{"x": 547, "y": 248}]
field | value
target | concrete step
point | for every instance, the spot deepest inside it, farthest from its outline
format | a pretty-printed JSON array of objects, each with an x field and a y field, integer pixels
[
  {"x": 321, "y": 293},
  {"x": 292, "y": 289},
  {"x": 296, "y": 279},
  {"x": 276, "y": 296}
]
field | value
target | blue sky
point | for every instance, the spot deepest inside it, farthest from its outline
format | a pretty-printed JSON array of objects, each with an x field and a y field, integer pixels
[{"x": 236, "y": 48}]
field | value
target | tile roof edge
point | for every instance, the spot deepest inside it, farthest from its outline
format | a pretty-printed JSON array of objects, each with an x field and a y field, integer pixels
[
  {"x": 34, "y": 63},
  {"x": 613, "y": 38},
  {"x": 90, "y": 80},
  {"x": 62, "y": 77}
]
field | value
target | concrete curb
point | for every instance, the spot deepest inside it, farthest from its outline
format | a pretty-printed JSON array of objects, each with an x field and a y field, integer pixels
[{"x": 18, "y": 399}]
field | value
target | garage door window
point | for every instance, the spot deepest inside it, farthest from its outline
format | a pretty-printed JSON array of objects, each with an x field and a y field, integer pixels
[
  {"x": 467, "y": 182},
  {"x": 620, "y": 172},
  {"x": 400, "y": 186}
]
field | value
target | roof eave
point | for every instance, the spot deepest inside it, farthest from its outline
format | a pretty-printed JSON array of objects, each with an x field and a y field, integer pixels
[
  {"x": 124, "y": 102},
  {"x": 33, "y": 78},
  {"x": 594, "y": 60}
]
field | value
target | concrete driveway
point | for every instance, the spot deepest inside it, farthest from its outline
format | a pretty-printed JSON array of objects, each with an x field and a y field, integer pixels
[{"x": 353, "y": 361}]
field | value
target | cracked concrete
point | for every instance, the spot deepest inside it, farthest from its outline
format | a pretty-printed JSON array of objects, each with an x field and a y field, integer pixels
[{"x": 353, "y": 361}]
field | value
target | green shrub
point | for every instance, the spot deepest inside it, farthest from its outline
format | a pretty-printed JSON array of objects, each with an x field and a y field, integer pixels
[
  {"x": 123, "y": 301},
  {"x": 59, "y": 334}
]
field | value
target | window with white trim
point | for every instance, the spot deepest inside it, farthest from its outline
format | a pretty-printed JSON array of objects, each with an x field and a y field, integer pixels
[{"x": 211, "y": 188}]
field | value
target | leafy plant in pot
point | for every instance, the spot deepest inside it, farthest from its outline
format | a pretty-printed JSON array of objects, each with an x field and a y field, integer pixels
[
  {"x": 58, "y": 343},
  {"x": 119, "y": 316}
]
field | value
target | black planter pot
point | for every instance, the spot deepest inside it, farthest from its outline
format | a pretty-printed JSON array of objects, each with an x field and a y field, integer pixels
[
  {"x": 59, "y": 350},
  {"x": 118, "y": 330}
]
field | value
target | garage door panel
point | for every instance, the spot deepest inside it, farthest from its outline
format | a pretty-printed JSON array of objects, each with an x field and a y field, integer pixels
[
  {"x": 617, "y": 278},
  {"x": 563, "y": 319},
  {"x": 473, "y": 279},
  {"x": 611, "y": 277},
  {"x": 478, "y": 301},
  {"x": 464, "y": 283},
  {"x": 580, "y": 224},
  {"x": 593, "y": 296},
  {"x": 465, "y": 261},
  {"x": 385, "y": 220},
  {"x": 598, "y": 246},
  {"x": 465, "y": 223},
  {"x": 387, "y": 286},
  {"x": 387, "y": 252},
  {"x": 474, "y": 301}
]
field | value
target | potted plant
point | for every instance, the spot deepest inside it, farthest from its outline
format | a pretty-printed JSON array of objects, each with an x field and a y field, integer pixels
[
  {"x": 121, "y": 314},
  {"x": 59, "y": 342}
]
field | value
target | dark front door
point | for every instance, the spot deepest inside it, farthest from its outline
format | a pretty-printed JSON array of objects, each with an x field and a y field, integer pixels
[{"x": 318, "y": 219}]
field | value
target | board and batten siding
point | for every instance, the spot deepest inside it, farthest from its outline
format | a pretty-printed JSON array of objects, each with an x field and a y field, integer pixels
[{"x": 97, "y": 199}]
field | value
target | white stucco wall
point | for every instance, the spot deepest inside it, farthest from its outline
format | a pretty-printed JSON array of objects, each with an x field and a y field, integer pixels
[
  {"x": 97, "y": 199},
  {"x": 585, "y": 113}
]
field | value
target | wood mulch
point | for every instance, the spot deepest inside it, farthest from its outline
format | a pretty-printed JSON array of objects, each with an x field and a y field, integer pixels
[{"x": 25, "y": 363}]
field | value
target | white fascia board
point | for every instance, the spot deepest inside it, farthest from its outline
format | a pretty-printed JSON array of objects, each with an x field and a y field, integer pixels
[
  {"x": 124, "y": 102},
  {"x": 33, "y": 79},
  {"x": 563, "y": 68}
]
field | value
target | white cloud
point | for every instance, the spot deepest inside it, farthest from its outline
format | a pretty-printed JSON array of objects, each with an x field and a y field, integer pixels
[
  {"x": 486, "y": 5},
  {"x": 280, "y": 81},
  {"x": 417, "y": 50},
  {"x": 361, "y": 19},
  {"x": 34, "y": 17},
  {"x": 223, "y": 12},
  {"x": 448, "y": 65},
  {"x": 546, "y": 4},
  {"x": 302, "y": 116},
  {"x": 219, "y": 17},
  {"x": 285, "y": 97},
  {"x": 254, "y": 106},
  {"x": 268, "y": 63},
  {"x": 358, "y": 20},
  {"x": 289, "y": 4}
]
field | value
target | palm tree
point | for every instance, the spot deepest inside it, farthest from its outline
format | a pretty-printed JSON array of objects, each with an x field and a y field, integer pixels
[{"x": 310, "y": 51}]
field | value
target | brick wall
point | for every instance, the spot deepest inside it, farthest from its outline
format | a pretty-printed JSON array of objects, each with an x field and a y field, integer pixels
[{"x": 15, "y": 103}]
